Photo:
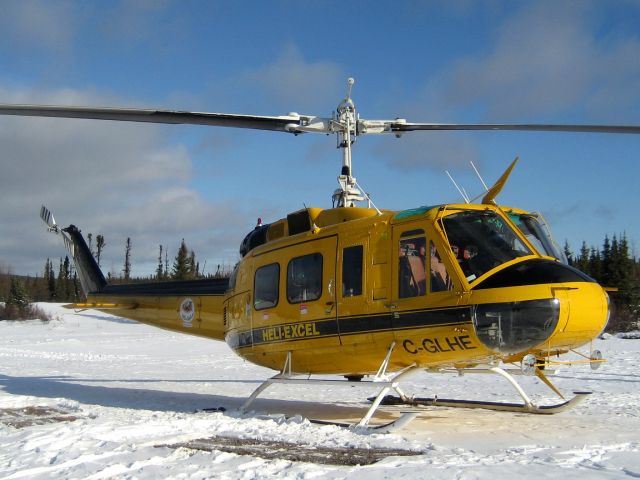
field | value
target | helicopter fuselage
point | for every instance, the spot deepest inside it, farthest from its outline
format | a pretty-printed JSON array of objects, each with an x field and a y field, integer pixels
[{"x": 338, "y": 289}]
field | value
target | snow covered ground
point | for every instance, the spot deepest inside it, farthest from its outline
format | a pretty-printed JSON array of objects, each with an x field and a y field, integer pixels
[{"x": 134, "y": 389}]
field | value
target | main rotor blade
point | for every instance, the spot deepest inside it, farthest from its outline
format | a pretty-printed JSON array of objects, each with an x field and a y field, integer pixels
[
  {"x": 292, "y": 123},
  {"x": 409, "y": 127},
  {"x": 286, "y": 123}
]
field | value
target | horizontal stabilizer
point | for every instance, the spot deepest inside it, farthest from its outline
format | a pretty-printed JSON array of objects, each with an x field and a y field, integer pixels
[{"x": 101, "y": 306}]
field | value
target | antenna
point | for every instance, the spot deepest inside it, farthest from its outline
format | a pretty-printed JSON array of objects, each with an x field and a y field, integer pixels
[
  {"x": 462, "y": 192},
  {"x": 486, "y": 189},
  {"x": 370, "y": 203},
  {"x": 466, "y": 195}
]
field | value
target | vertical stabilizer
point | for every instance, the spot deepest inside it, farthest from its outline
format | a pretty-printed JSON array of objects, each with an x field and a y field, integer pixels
[{"x": 91, "y": 278}]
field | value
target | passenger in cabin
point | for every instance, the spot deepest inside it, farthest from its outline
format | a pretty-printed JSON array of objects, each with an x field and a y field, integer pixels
[
  {"x": 465, "y": 258},
  {"x": 440, "y": 279},
  {"x": 412, "y": 268}
]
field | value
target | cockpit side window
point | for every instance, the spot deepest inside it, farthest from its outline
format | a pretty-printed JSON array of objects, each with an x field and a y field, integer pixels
[{"x": 412, "y": 265}]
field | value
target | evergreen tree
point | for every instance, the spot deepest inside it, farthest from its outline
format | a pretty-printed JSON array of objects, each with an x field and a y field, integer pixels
[
  {"x": 595, "y": 263},
  {"x": 159, "y": 269},
  {"x": 35, "y": 288},
  {"x": 18, "y": 296},
  {"x": 626, "y": 281},
  {"x": 582, "y": 262},
  {"x": 127, "y": 260},
  {"x": 606, "y": 262},
  {"x": 63, "y": 283},
  {"x": 181, "y": 268},
  {"x": 60, "y": 293},
  {"x": 51, "y": 282},
  {"x": 193, "y": 267},
  {"x": 17, "y": 303},
  {"x": 100, "y": 243},
  {"x": 619, "y": 272},
  {"x": 568, "y": 253}
]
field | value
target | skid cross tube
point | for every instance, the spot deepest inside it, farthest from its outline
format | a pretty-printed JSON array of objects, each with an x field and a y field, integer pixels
[
  {"x": 393, "y": 384},
  {"x": 527, "y": 401},
  {"x": 381, "y": 379}
]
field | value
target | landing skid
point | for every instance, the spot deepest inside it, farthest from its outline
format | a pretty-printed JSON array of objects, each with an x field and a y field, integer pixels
[
  {"x": 387, "y": 383},
  {"x": 499, "y": 406}
]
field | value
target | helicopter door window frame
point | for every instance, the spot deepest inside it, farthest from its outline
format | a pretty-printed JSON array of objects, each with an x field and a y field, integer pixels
[
  {"x": 266, "y": 286},
  {"x": 412, "y": 264},
  {"x": 304, "y": 278},
  {"x": 352, "y": 270}
]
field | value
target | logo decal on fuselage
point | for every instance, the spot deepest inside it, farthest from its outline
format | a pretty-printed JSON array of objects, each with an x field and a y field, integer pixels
[{"x": 187, "y": 312}]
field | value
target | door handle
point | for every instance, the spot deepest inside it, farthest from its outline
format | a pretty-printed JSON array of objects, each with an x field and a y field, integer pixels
[{"x": 329, "y": 307}]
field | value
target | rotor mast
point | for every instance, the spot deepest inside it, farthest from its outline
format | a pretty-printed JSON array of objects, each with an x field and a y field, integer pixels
[{"x": 345, "y": 125}]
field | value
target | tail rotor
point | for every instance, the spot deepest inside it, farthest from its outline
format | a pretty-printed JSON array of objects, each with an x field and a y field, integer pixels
[{"x": 52, "y": 226}]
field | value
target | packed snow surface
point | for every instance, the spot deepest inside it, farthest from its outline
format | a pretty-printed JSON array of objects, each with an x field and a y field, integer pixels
[{"x": 135, "y": 390}]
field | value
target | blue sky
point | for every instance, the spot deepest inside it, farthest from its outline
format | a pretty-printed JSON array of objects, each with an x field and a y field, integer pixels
[{"x": 427, "y": 61}]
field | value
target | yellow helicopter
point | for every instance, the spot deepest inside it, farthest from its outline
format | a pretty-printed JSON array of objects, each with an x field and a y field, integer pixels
[{"x": 358, "y": 292}]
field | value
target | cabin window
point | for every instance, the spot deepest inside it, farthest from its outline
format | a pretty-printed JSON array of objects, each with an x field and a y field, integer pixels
[
  {"x": 304, "y": 278},
  {"x": 266, "y": 286},
  {"x": 412, "y": 265},
  {"x": 352, "y": 271},
  {"x": 440, "y": 278}
]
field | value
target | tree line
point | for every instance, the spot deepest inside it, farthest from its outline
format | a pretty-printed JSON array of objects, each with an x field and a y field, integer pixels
[{"x": 60, "y": 283}]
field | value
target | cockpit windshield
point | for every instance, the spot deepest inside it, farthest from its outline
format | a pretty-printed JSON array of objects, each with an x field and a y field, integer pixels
[{"x": 482, "y": 240}]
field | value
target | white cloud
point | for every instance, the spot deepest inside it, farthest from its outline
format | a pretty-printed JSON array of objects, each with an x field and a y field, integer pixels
[
  {"x": 549, "y": 58},
  {"x": 118, "y": 179},
  {"x": 289, "y": 79},
  {"x": 127, "y": 179}
]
